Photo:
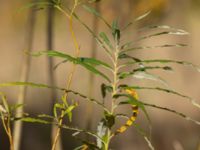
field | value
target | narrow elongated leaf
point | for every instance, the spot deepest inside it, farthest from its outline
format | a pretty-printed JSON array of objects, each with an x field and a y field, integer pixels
[
  {"x": 46, "y": 116},
  {"x": 137, "y": 19},
  {"x": 95, "y": 71},
  {"x": 5, "y": 103},
  {"x": 131, "y": 100},
  {"x": 161, "y": 27},
  {"x": 75, "y": 61},
  {"x": 143, "y": 16},
  {"x": 106, "y": 40},
  {"x": 94, "y": 62},
  {"x": 148, "y": 76},
  {"x": 166, "y": 61},
  {"x": 123, "y": 75},
  {"x": 163, "y": 33},
  {"x": 39, "y": 85},
  {"x": 116, "y": 31},
  {"x": 191, "y": 100},
  {"x": 35, "y": 120},
  {"x": 56, "y": 106},
  {"x": 99, "y": 41},
  {"x": 174, "y": 112},
  {"x": 97, "y": 14},
  {"x": 150, "y": 47}
]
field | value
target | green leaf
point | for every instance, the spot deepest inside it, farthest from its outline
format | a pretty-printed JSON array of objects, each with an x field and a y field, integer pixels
[
  {"x": 16, "y": 106},
  {"x": 132, "y": 101},
  {"x": 68, "y": 111},
  {"x": 148, "y": 76},
  {"x": 166, "y": 61},
  {"x": 55, "y": 107},
  {"x": 35, "y": 120},
  {"x": 162, "y": 27},
  {"x": 5, "y": 103},
  {"x": 191, "y": 100},
  {"x": 148, "y": 47},
  {"x": 104, "y": 89},
  {"x": 75, "y": 61},
  {"x": 46, "y": 116},
  {"x": 106, "y": 40},
  {"x": 174, "y": 112},
  {"x": 123, "y": 75},
  {"x": 94, "y": 1},
  {"x": 93, "y": 34},
  {"x": 97, "y": 14},
  {"x": 163, "y": 33},
  {"x": 116, "y": 31},
  {"x": 94, "y": 62},
  {"x": 31, "y": 84}
]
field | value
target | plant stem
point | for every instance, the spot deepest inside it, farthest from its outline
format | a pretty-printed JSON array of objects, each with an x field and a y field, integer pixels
[
  {"x": 69, "y": 79},
  {"x": 6, "y": 125},
  {"x": 114, "y": 92}
]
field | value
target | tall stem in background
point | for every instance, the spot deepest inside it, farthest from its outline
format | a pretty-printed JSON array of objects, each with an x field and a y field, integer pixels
[
  {"x": 17, "y": 133},
  {"x": 95, "y": 28}
]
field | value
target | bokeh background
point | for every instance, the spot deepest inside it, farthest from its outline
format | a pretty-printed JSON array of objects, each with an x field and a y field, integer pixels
[{"x": 169, "y": 132}]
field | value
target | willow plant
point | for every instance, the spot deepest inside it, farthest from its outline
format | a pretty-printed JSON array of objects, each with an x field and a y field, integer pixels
[{"x": 121, "y": 65}]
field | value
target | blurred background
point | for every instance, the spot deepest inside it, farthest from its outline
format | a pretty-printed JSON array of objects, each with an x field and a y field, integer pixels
[{"x": 31, "y": 30}]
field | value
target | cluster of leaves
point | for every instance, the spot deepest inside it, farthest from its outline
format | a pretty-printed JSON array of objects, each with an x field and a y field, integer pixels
[{"x": 120, "y": 55}]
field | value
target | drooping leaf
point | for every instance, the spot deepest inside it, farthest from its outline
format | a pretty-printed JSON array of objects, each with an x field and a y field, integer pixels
[
  {"x": 73, "y": 60},
  {"x": 132, "y": 101}
]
